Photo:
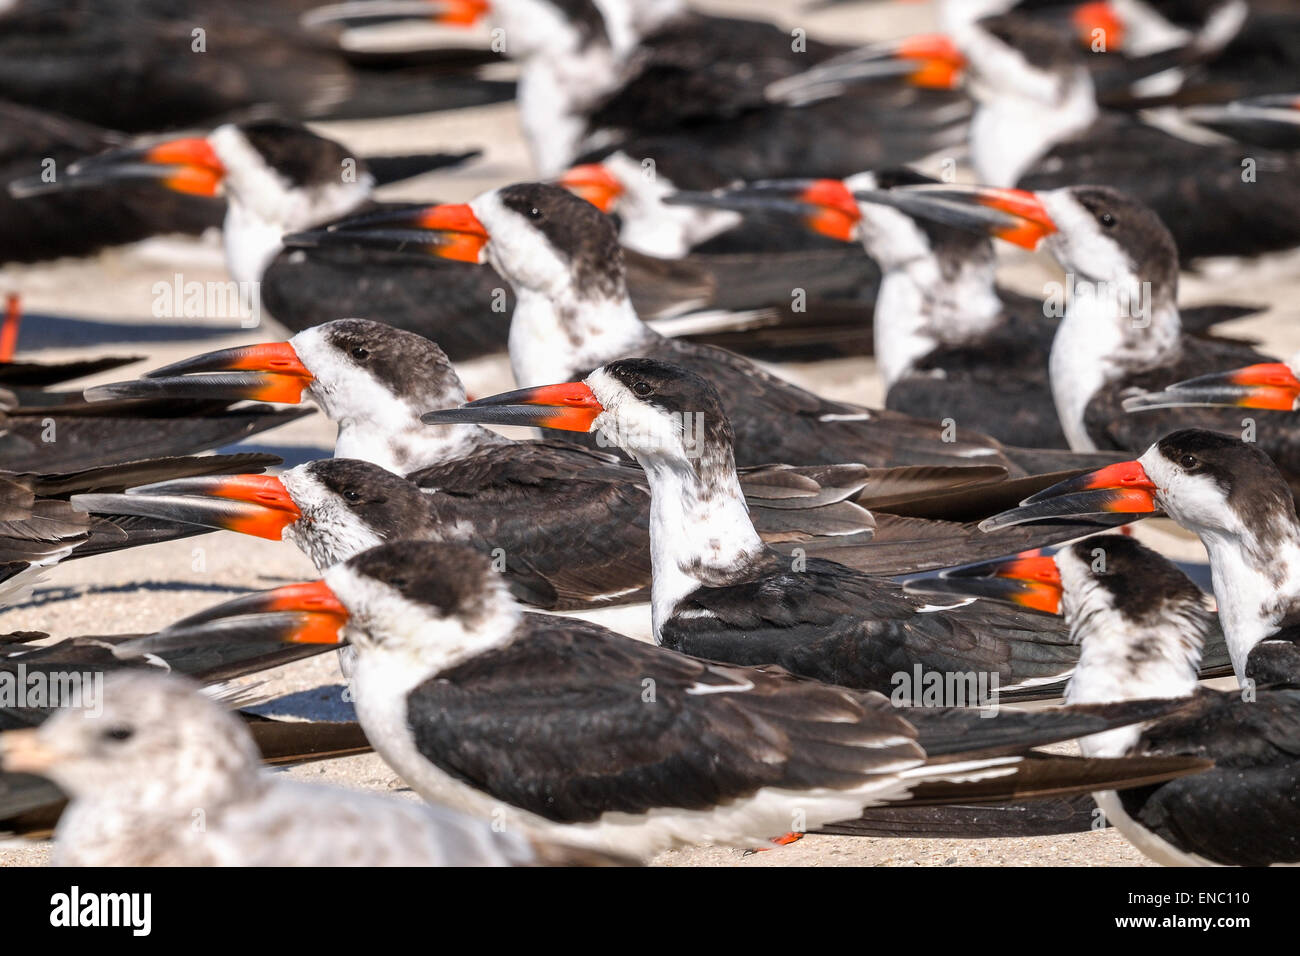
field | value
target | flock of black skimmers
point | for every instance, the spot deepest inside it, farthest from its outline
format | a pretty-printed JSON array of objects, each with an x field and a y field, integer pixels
[{"x": 712, "y": 196}]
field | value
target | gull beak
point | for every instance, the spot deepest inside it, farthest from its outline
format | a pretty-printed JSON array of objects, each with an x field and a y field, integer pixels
[{"x": 22, "y": 751}]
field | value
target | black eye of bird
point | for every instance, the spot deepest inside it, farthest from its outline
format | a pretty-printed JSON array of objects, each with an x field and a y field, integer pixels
[
  {"x": 118, "y": 733},
  {"x": 1106, "y": 219},
  {"x": 352, "y": 495},
  {"x": 534, "y": 213},
  {"x": 361, "y": 353},
  {"x": 1188, "y": 462},
  {"x": 643, "y": 389}
]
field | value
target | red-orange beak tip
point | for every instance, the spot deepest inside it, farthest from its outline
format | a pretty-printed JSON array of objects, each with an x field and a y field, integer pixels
[
  {"x": 570, "y": 406},
  {"x": 836, "y": 212},
  {"x": 941, "y": 63},
  {"x": 461, "y": 13},
  {"x": 1032, "y": 222},
  {"x": 198, "y": 170},
  {"x": 594, "y": 183},
  {"x": 323, "y": 614},
  {"x": 1099, "y": 26},
  {"x": 462, "y": 237}
]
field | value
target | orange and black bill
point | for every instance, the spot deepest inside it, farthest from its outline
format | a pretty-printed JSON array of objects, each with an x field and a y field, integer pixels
[
  {"x": 594, "y": 183},
  {"x": 1029, "y": 580},
  {"x": 256, "y": 505},
  {"x": 930, "y": 60},
  {"x": 182, "y": 165},
  {"x": 1014, "y": 215},
  {"x": 302, "y": 614},
  {"x": 1270, "y": 385},
  {"x": 570, "y": 407},
  {"x": 362, "y": 13},
  {"x": 824, "y": 206},
  {"x": 1120, "y": 489},
  {"x": 448, "y": 231},
  {"x": 266, "y": 373}
]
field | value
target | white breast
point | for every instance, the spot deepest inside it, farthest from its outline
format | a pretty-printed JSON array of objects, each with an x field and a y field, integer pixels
[{"x": 1079, "y": 364}]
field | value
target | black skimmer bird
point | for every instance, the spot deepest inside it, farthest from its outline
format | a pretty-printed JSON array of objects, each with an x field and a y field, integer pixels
[
  {"x": 1037, "y": 126},
  {"x": 161, "y": 748},
  {"x": 1229, "y": 48},
  {"x": 573, "y": 314},
  {"x": 1121, "y": 333},
  {"x": 949, "y": 343},
  {"x": 596, "y": 740},
  {"x": 46, "y": 204},
  {"x": 375, "y": 382},
  {"x": 564, "y": 543},
  {"x": 720, "y": 593},
  {"x": 35, "y": 145},
  {"x": 144, "y": 65},
  {"x": 1141, "y": 625},
  {"x": 622, "y": 75},
  {"x": 1233, "y": 497},
  {"x": 281, "y": 177},
  {"x": 797, "y": 294}
]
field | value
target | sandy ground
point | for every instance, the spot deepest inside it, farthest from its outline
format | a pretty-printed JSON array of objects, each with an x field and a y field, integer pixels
[{"x": 103, "y": 305}]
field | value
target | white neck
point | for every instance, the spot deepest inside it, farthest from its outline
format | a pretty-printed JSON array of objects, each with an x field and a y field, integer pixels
[
  {"x": 1010, "y": 133},
  {"x": 626, "y": 23},
  {"x": 1096, "y": 345},
  {"x": 555, "y": 95},
  {"x": 699, "y": 531},
  {"x": 390, "y": 434},
  {"x": 1254, "y": 583},
  {"x": 260, "y": 208},
  {"x": 250, "y": 242},
  {"x": 918, "y": 309},
  {"x": 557, "y": 336}
]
